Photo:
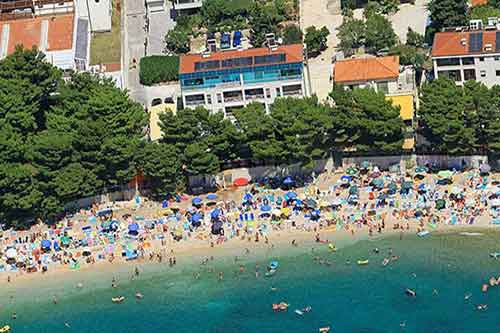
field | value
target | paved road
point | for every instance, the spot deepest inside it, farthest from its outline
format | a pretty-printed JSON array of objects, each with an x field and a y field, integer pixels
[
  {"x": 134, "y": 38},
  {"x": 315, "y": 13},
  {"x": 414, "y": 16},
  {"x": 159, "y": 24}
]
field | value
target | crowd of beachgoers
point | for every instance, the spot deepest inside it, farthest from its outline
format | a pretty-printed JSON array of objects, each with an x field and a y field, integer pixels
[{"x": 351, "y": 201}]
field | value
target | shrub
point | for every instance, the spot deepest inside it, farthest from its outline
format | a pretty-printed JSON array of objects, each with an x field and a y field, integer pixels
[{"x": 155, "y": 69}]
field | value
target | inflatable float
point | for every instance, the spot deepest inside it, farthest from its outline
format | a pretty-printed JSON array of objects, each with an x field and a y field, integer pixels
[
  {"x": 363, "y": 262},
  {"x": 119, "y": 299},
  {"x": 5, "y": 329}
]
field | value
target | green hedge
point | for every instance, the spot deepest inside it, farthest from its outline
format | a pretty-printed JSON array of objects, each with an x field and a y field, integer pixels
[{"x": 156, "y": 69}]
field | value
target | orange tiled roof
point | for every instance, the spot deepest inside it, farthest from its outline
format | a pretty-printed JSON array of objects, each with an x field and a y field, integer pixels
[
  {"x": 366, "y": 69},
  {"x": 293, "y": 54},
  {"x": 27, "y": 32},
  {"x": 450, "y": 43},
  {"x": 478, "y": 2}
]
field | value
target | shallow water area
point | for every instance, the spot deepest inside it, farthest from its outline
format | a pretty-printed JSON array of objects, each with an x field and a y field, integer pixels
[{"x": 441, "y": 268}]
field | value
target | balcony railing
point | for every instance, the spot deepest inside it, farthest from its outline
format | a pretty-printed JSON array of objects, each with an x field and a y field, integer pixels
[
  {"x": 195, "y": 102},
  {"x": 297, "y": 92},
  {"x": 254, "y": 97},
  {"x": 230, "y": 99}
]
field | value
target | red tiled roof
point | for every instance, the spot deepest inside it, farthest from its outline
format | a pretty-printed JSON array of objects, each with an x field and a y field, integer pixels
[
  {"x": 366, "y": 69},
  {"x": 450, "y": 43},
  {"x": 478, "y": 2},
  {"x": 27, "y": 32},
  {"x": 293, "y": 54}
]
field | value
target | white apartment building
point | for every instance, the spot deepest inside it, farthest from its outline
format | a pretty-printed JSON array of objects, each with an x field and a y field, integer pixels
[
  {"x": 227, "y": 80},
  {"x": 470, "y": 53}
]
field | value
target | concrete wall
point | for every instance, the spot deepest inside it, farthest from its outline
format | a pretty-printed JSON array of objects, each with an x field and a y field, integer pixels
[
  {"x": 102, "y": 198},
  {"x": 452, "y": 162}
]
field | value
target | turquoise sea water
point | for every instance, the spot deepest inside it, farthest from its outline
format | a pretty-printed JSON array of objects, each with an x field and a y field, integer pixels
[{"x": 349, "y": 298}]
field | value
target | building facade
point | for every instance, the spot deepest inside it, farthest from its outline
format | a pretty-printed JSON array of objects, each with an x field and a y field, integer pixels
[
  {"x": 187, "y": 6},
  {"x": 383, "y": 74},
  {"x": 468, "y": 54},
  {"x": 228, "y": 80}
]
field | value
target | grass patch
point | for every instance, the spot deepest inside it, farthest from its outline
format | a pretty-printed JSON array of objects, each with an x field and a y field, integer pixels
[
  {"x": 105, "y": 47},
  {"x": 156, "y": 69}
]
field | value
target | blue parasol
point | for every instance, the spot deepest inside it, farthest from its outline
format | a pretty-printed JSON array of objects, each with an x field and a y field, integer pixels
[
  {"x": 46, "y": 244},
  {"x": 215, "y": 213},
  {"x": 196, "y": 201},
  {"x": 212, "y": 196},
  {"x": 133, "y": 227},
  {"x": 288, "y": 181},
  {"x": 265, "y": 208}
]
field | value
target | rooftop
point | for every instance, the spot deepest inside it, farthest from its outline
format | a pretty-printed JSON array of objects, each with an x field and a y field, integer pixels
[
  {"x": 366, "y": 69},
  {"x": 191, "y": 63},
  {"x": 455, "y": 43},
  {"x": 53, "y": 33},
  {"x": 478, "y": 2}
]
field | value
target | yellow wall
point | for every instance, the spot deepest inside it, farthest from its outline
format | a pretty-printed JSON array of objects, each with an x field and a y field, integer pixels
[
  {"x": 154, "y": 118},
  {"x": 405, "y": 102}
]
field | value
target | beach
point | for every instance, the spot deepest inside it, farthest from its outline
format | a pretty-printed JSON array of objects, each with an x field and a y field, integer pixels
[
  {"x": 346, "y": 296},
  {"x": 340, "y": 240}
]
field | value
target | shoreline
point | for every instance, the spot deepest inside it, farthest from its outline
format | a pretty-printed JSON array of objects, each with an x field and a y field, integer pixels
[{"x": 190, "y": 255}]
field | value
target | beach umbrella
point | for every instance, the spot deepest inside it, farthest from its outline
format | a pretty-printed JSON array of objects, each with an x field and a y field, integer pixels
[
  {"x": 65, "y": 240},
  {"x": 407, "y": 185},
  {"x": 365, "y": 164},
  {"x": 288, "y": 181},
  {"x": 46, "y": 244},
  {"x": 196, "y": 219},
  {"x": 215, "y": 213},
  {"x": 337, "y": 202},
  {"x": 104, "y": 212},
  {"x": 440, "y": 204},
  {"x": 422, "y": 187},
  {"x": 265, "y": 208},
  {"x": 212, "y": 196},
  {"x": 247, "y": 197},
  {"x": 311, "y": 203},
  {"x": 351, "y": 170},
  {"x": 378, "y": 182},
  {"x": 420, "y": 169},
  {"x": 484, "y": 168},
  {"x": 495, "y": 203},
  {"x": 164, "y": 204},
  {"x": 392, "y": 187},
  {"x": 240, "y": 181},
  {"x": 445, "y": 174},
  {"x": 196, "y": 201},
  {"x": 346, "y": 179},
  {"x": 290, "y": 195},
  {"x": 11, "y": 253},
  {"x": 133, "y": 227},
  {"x": 354, "y": 190}
]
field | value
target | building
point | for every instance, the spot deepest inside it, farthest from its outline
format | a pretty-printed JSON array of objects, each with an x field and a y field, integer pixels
[
  {"x": 468, "y": 54},
  {"x": 187, "y": 6},
  {"x": 15, "y": 9},
  {"x": 52, "y": 35},
  {"x": 226, "y": 80},
  {"x": 382, "y": 74},
  {"x": 97, "y": 12}
]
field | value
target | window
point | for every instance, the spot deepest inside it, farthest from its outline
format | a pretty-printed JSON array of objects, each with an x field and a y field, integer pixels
[
  {"x": 219, "y": 98},
  {"x": 209, "y": 99},
  {"x": 278, "y": 92},
  {"x": 482, "y": 73},
  {"x": 383, "y": 87},
  {"x": 193, "y": 82},
  {"x": 452, "y": 75},
  {"x": 469, "y": 74},
  {"x": 468, "y": 61},
  {"x": 268, "y": 93},
  {"x": 448, "y": 62},
  {"x": 498, "y": 72},
  {"x": 481, "y": 58}
]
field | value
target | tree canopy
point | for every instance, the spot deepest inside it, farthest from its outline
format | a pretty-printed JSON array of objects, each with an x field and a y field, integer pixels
[{"x": 61, "y": 139}]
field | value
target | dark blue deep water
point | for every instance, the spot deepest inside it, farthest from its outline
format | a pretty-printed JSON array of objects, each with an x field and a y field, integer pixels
[{"x": 349, "y": 298}]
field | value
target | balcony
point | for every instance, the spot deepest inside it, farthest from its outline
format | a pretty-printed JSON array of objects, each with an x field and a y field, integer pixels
[
  {"x": 195, "y": 100},
  {"x": 254, "y": 94},
  {"x": 187, "y": 4},
  {"x": 290, "y": 91},
  {"x": 233, "y": 97}
]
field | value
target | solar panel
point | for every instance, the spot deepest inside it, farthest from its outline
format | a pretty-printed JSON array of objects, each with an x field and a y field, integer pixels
[
  {"x": 270, "y": 58},
  {"x": 476, "y": 42},
  {"x": 206, "y": 65},
  {"x": 497, "y": 42},
  {"x": 237, "y": 62}
]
